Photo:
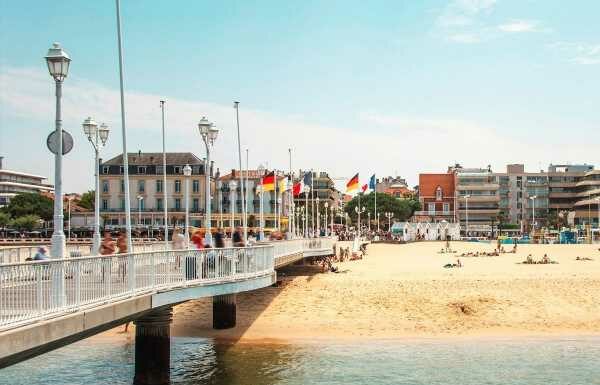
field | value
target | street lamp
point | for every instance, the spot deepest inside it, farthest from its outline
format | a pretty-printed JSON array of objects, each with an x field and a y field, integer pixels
[
  {"x": 533, "y": 198},
  {"x": 305, "y": 215},
  {"x": 359, "y": 210},
  {"x": 232, "y": 187},
  {"x": 326, "y": 208},
  {"x": 209, "y": 135},
  {"x": 187, "y": 172},
  {"x": 97, "y": 136},
  {"x": 332, "y": 217},
  {"x": 140, "y": 200},
  {"x": 467, "y": 196},
  {"x": 389, "y": 216},
  {"x": 317, "y": 231},
  {"x": 261, "y": 231},
  {"x": 369, "y": 221},
  {"x": 279, "y": 202},
  {"x": 58, "y": 65}
]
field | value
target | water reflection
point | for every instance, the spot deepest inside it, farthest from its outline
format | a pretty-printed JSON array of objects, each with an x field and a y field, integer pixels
[{"x": 197, "y": 361}]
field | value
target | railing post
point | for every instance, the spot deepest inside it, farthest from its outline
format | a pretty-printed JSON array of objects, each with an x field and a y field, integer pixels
[
  {"x": 77, "y": 282},
  {"x": 131, "y": 273},
  {"x": 106, "y": 274},
  {"x": 153, "y": 269},
  {"x": 39, "y": 291}
]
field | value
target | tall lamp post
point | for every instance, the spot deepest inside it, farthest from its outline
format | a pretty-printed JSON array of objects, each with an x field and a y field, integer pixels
[
  {"x": 326, "y": 209},
  {"x": 261, "y": 230},
  {"x": 359, "y": 210},
  {"x": 305, "y": 215},
  {"x": 232, "y": 187},
  {"x": 209, "y": 135},
  {"x": 140, "y": 200},
  {"x": 467, "y": 196},
  {"x": 187, "y": 172},
  {"x": 58, "y": 65},
  {"x": 389, "y": 216},
  {"x": 332, "y": 208},
  {"x": 317, "y": 230},
  {"x": 533, "y": 198},
  {"x": 97, "y": 136}
]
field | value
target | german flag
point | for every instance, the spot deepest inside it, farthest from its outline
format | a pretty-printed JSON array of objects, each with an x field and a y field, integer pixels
[
  {"x": 352, "y": 184},
  {"x": 268, "y": 182}
]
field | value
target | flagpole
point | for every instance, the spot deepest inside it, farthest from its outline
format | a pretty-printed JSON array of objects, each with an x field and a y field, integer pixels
[
  {"x": 236, "y": 105},
  {"x": 375, "y": 190},
  {"x": 275, "y": 201},
  {"x": 245, "y": 199},
  {"x": 291, "y": 218},
  {"x": 312, "y": 200}
]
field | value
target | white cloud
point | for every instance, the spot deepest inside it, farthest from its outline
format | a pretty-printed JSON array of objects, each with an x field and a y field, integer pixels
[
  {"x": 579, "y": 53},
  {"x": 408, "y": 145},
  {"x": 461, "y": 21},
  {"x": 518, "y": 26}
]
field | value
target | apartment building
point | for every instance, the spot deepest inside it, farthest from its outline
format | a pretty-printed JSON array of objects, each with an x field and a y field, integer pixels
[
  {"x": 15, "y": 182},
  {"x": 477, "y": 198},
  {"x": 147, "y": 190},
  {"x": 224, "y": 199}
]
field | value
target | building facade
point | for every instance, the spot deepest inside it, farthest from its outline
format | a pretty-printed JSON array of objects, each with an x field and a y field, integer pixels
[
  {"x": 147, "y": 190},
  {"x": 437, "y": 197},
  {"x": 14, "y": 182}
]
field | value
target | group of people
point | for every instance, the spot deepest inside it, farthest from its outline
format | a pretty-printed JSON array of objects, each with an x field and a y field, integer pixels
[{"x": 544, "y": 261}]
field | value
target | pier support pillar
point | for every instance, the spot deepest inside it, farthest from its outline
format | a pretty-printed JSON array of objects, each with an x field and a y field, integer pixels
[
  {"x": 153, "y": 347},
  {"x": 224, "y": 309}
]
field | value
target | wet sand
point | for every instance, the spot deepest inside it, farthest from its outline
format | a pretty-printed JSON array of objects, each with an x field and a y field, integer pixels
[{"x": 403, "y": 291}]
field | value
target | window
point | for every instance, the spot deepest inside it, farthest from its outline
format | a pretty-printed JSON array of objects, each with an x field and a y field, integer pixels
[
  {"x": 446, "y": 207},
  {"x": 177, "y": 170},
  {"x": 177, "y": 186},
  {"x": 105, "y": 169},
  {"x": 121, "y": 169},
  {"x": 141, "y": 169},
  {"x": 159, "y": 170},
  {"x": 195, "y": 185},
  {"x": 431, "y": 207},
  {"x": 159, "y": 186},
  {"x": 105, "y": 186},
  {"x": 122, "y": 186},
  {"x": 141, "y": 204},
  {"x": 438, "y": 193},
  {"x": 196, "y": 205},
  {"x": 141, "y": 186},
  {"x": 104, "y": 204},
  {"x": 177, "y": 204},
  {"x": 159, "y": 203},
  {"x": 122, "y": 204}
]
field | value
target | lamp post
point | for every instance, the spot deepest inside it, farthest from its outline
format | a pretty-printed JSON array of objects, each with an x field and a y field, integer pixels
[
  {"x": 389, "y": 216},
  {"x": 317, "y": 230},
  {"x": 359, "y": 210},
  {"x": 232, "y": 187},
  {"x": 326, "y": 209},
  {"x": 369, "y": 220},
  {"x": 261, "y": 231},
  {"x": 187, "y": 172},
  {"x": 332, "y": 208},
  {"x": 58, "y": 65},
  {"x": 97, "y": 136},
  {"x": 209, "y": 135},
  {"x": 305, "y": 214},
  {"x": 279, "y": 201},
  {"x": 140, "y": 200},
  {"x": 467, "y": 213},
  {"x": 165, "y": 190},
  {"x": 533, "y": 198}
]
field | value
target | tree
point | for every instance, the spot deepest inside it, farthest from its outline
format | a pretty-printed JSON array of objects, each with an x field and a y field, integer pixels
[
  {"x": 30, "y": 204},
  {"x": 26, "y": 222},
  {"x": 87, "y": 200},
  {"x": 4, "y": 219},
  {"x": 403, "y": 209}
]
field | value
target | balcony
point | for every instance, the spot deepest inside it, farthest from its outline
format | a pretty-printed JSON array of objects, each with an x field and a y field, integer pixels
[
  {"x": 480, "y": 198},
  {"x": 476, "y": 211},
  {"x": 562, "y": 195},
  {"x": 434, "y": 213},
  {"x": 478, "y": 186}
]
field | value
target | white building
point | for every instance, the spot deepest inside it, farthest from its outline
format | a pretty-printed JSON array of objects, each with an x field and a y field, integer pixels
[{"x": 15, "y": 182}]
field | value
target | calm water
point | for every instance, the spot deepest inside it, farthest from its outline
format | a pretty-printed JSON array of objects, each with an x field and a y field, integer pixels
[{"x": 200, "y": 361}]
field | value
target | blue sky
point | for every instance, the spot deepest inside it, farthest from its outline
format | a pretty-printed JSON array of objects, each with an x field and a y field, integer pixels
[{"x": 381, "y": 86}]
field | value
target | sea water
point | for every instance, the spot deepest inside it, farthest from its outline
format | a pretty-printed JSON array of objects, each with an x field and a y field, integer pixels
[{"x": 560, "y": 361}]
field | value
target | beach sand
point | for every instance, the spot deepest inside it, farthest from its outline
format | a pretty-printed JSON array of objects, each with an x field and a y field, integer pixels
[{"x": 403, "y": 291}]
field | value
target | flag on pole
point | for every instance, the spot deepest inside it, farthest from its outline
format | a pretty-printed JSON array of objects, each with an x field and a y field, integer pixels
[
  {"x": 268, "y": 182},
  {"x": 372, "y": 183},
  {"x": 352, "y": 184},
  {"x": 283, "y": 184},
  {"x": 298, "y": 188},
  {"x": 364, "y": 188},
  {"x": 307, "y": 178}
]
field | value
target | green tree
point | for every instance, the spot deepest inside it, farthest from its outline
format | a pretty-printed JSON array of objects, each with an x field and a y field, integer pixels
[
  {"x": 87, "y": 200},
  {"x": 403, "y": 209},
  {"x": 26, "y": 222},
  {"x": 30, "y": 204},
  {"x": 4, "y": 219}
]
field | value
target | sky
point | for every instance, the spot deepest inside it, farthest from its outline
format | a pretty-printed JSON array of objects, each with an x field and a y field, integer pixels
[{"x": 385, "y": 87}]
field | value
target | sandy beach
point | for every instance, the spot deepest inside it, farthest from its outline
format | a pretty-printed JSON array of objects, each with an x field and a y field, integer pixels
[{"x": 403, "y": 291}]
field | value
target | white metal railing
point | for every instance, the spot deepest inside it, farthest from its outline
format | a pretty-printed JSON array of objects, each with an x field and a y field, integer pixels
[
  {"x": 31, "y": 291},
  {"x": 36, "y": 290}
]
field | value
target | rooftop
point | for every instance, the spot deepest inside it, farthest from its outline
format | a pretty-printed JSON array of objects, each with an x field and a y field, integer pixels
[{"x": 155, "y": 159}]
